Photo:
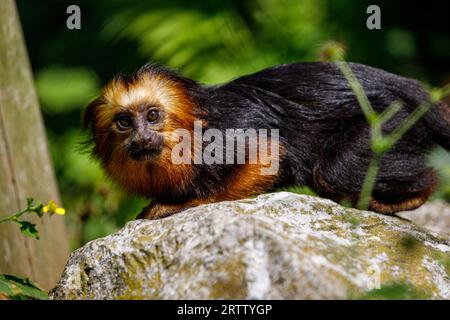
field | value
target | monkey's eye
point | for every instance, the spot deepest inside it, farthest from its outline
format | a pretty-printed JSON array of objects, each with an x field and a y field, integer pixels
[
  {"x": 123, "y": 122},
  {"x": 153, "y": 115}
]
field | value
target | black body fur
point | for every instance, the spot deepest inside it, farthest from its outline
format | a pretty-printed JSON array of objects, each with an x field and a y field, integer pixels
[{"x": 324, "y": 131}]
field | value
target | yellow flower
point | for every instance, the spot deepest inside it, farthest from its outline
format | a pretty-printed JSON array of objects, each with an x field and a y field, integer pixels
[
  {"x": 60, "y": 211},
  {"x": 52, "y": 208}
]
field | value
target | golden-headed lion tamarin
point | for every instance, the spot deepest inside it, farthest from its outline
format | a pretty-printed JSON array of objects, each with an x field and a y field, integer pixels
[{"x": 323, "y": 135}]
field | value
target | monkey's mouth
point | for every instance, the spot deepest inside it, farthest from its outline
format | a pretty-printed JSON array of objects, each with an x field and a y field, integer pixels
[{"x": 144, "y": 154}]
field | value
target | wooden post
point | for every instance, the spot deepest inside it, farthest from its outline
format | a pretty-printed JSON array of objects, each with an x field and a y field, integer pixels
[{"x": 25, "y": 165}]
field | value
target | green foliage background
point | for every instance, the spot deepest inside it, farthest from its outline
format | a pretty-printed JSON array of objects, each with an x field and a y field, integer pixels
[{"x": 210, "y": 41}]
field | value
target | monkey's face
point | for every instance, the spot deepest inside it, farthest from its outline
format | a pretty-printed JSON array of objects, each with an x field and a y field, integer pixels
[
  {"x": 139, "y": 132},
  {"x": 134, "y": 124}
]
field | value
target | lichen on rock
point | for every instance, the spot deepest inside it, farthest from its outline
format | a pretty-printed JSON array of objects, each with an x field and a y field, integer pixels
[{"x": 275, "y": 246}]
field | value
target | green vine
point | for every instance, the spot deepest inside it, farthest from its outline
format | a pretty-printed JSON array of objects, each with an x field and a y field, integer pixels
[{"x": 15, "y": 288}]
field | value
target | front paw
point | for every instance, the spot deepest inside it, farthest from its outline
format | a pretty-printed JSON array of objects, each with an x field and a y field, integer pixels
[{"x": 157, "y": 211}]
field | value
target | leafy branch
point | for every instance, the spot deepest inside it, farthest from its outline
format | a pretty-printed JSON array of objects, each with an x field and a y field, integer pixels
[
  {"x": 16, "y": 288},
  {"x": 28, "y": 228},
  {"x": 12, "y": 287}
]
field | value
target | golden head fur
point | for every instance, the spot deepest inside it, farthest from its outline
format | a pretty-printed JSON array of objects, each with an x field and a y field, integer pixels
[{"x": 151, "y": 89}]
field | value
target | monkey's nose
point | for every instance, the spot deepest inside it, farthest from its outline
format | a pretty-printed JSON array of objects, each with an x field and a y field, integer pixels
[
  {"x": 141, "y": 143},
  {"x": 143, "y": 149}
]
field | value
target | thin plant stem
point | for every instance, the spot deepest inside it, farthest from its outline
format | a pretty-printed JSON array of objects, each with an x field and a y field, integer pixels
[
  {"x": 369, "y": 183},
  {"x": 377, "y": 139},
  {"x": 387, "y": 114},
  {"x": 15, "y": 215},
  {"x": 357, "y": 88},
  {"x": 409, "y": 122}
]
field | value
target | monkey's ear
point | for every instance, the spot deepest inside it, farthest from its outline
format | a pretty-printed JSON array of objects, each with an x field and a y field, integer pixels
[{"x": 89, "y": 113}]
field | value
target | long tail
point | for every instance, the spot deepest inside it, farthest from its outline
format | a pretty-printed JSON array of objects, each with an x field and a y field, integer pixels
[{"x": 438, "y": 122}]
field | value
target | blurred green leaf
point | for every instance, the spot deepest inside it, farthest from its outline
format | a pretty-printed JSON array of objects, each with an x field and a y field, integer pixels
[
  {"x": 17, "y": 288},
  {"x": 396, "y": 291},
  {"x": 219, "y": 47},
  {"x": 401, "y": 43},
  {"x": 63, "y": 89},
  {"x": 439, "y": 160},
  {"x": 28, "y": 229},
  {"x": 300, "y": 190},
  {"x": 74, "y": 164},
  {"x": 98, "y": 227}
]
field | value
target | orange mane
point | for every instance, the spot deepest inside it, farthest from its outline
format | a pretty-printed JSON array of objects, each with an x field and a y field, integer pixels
[{"x": 151, "y": 87}]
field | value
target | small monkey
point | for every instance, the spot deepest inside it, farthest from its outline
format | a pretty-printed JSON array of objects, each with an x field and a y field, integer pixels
[{"x": 324, "y": 138}]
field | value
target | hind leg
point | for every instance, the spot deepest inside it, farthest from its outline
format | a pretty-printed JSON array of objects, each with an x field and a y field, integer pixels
[
  {"x": 402, "y": 197},
  {"x": 403, "y": 181},
  {"x": 340, "y": 170},
  {"x": 391, "y": 208}
]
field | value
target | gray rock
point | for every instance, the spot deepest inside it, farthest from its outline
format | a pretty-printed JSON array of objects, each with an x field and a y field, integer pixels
[
  {"x": 279, "y": 245},
  {"x": 433, "y": 216}
]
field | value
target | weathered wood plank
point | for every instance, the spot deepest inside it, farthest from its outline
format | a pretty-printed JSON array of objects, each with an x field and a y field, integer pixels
[
  {"x": 10, "y": 238},
  {"x": 25, "y": 166}
]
